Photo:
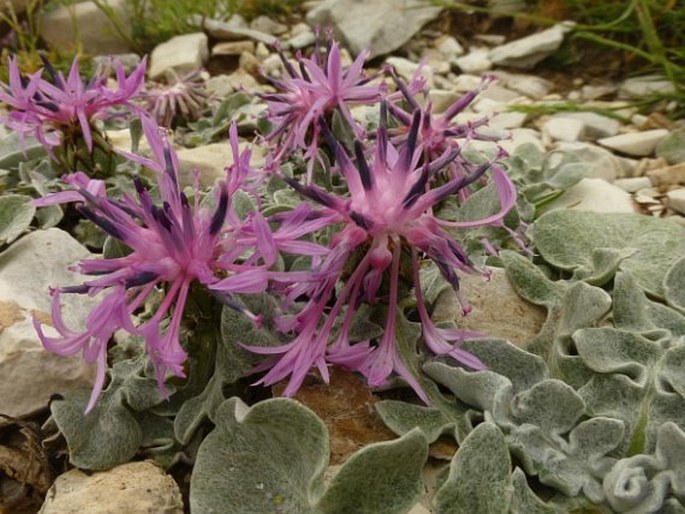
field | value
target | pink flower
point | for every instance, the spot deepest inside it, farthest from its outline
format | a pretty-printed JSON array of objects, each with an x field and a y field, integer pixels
[
  {"x": 173, "y": 245},
  {"x": 388, "y": 216},
  {"x": 314, "y": 91},
  {"x": 45, "y": 108}
]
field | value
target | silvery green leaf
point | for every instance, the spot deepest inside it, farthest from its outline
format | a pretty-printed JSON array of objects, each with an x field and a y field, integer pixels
[
  {"x": 109, "y": 434},
  {"x": 642, "y": 483},
  {"x": 381, "y": 478},
  {"x": 585, "y": 243},
  {"x": 433, "y": 283},
  {"x": 243, "y": 203},
  {"x": 231, "y": 361},
  {"x": 542, "y": 416},
  {"x": 16, "y": 214},
  {"x": 228, "y": 108},
  {"x": 13, "y": 151},
  {"x": 479, "y": 479},
  {"x": 403, "y": 417},
  {"x": 105, "y": 437},
  {"x": 49, "y": 216},
  {"x": 266, "y": 458},
  {"x": 674, "y": 285},
  {"x": 636, "y": 380},
  {"x": 524, "y": 500},
  {"x": 530, "y": 282}
]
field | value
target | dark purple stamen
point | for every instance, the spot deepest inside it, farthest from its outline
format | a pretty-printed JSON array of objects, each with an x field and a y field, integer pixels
[
  {"x": 312, "y": 192},
  {"x": 361, "y": 220},
  {"x": 417, "y": 189},
  {"x": 100, "y": 221},
  {"x": 220, "y": 214},
  {"x": 79, "y": 289},
  {"x": 363, "y": 166},
  {"x": 140, "y": 279},
  {"x": 56, "y": 78}
]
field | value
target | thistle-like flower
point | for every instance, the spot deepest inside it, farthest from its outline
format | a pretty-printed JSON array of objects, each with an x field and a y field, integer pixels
[
  {"x": 184, "y": 98},
  {"x": 62, "y": 106},
  {"x": 313, "y": 92},
  {"x": 388, "y": 216},
  {"x": 173, "y": 245},
  {"x": 438, "y": 132}
]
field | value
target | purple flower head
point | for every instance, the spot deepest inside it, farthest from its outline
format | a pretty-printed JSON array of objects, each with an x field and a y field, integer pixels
[
  {"x": 173, "y": 244},
  {"x": 319, "y": 86},
  {"x": 46, "y": 107},
  {"x": 438, "y": 133},
  {"x": 388, "y": 216},
  {"x": 184, "y": 98}
]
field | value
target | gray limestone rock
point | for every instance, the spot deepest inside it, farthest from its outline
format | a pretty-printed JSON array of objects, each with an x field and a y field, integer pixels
[
  {"x": 65, "y": 26},
  {"x": 132, "y": 487},
  {"x": 528, "y": 51},
  {"x": 381, "y": 26},
  {"x": 182, "y": 54}
]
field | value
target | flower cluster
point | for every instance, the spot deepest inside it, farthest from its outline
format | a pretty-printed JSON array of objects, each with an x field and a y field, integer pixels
[
  {"x": 173, "y": 244},
  {"x": 49, "y": 109},
  {"x": 366, "y": 233}
]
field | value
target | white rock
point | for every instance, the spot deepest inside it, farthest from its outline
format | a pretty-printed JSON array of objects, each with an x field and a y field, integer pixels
[
  {"x": 268, "y": 26},
  {"x": 302, "y": 40},
  {"x": 132, "y": 487},
  {"x": 498, "y": 310},
  {"x": 676, "y": 200},
  {"x": 233, "y": 47},
  {"x": 465, "y": 82},
  {"x": 521, "y": 136},
  {"x": 406, "y": 69},
  {"x": 528, "y": 51},
  {"x": 594, "y": 194},
  {"x": 28, "y": 268},
  {"x": 500, "y": 94},
  {"x": 596, "y": 125},
  {"x": 640, "y": 144},
  {"x": 65, "y": 26},
  {"x": 31, "y": 374},
  {"x": 528, "y": 85},
  {"x": 591, "y": 92},
  {"x": 507, "y": 120},
  {"x": 211, "y": 161},
  {"x": 639, "y": 87},
  {"x": 227, "y": 31},
  {"x": 181, "y": 54},
  {"x": 476, "y": 61},
  {"x": 633, "y": 184},
  {"x": 448, "y": 46},
  {"x": 381, "y": 26},
  {"x": 601, "y": 163},
  {"x": 564, "y": 129}
]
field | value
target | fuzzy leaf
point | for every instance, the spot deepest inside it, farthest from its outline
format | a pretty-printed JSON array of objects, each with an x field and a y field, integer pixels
[
  {"x": 16, "y": 214},
  {"x": 267, "y": 458},
  {"x": 589, "y": 244},
  {"x": 674, "y": 285},
  {"x": 105, "y": 437},
  {"x": 382, "y": 478},
  {"x": 403, "y": 417},
  {"x": 524, "y": 500},
  {"x": 110, "y": 434},
  {"x": 480, "y": 475},
  {"x": 529, "y": 282},
  {"x": 641, "y": 483},
  {"x": 637, "y": 380}
]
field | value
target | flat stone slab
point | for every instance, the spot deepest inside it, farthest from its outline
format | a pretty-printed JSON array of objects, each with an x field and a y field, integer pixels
[{"x": 638, "y": 144}]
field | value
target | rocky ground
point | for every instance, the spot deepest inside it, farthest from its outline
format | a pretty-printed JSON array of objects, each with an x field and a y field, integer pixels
[{"x": 636, "y": 161}]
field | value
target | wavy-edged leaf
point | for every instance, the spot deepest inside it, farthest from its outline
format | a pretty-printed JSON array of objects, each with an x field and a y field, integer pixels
[
  {"x": 479, "y": 479},
  {"x": 403, "y": 417},
  {"x": 381, "y": 478},
  {"x": 267, "y": 458},
  {"x": 674, "y": 285},
  {"x": 16, "y": 214},
  {"x": 589, "y": 243}
]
